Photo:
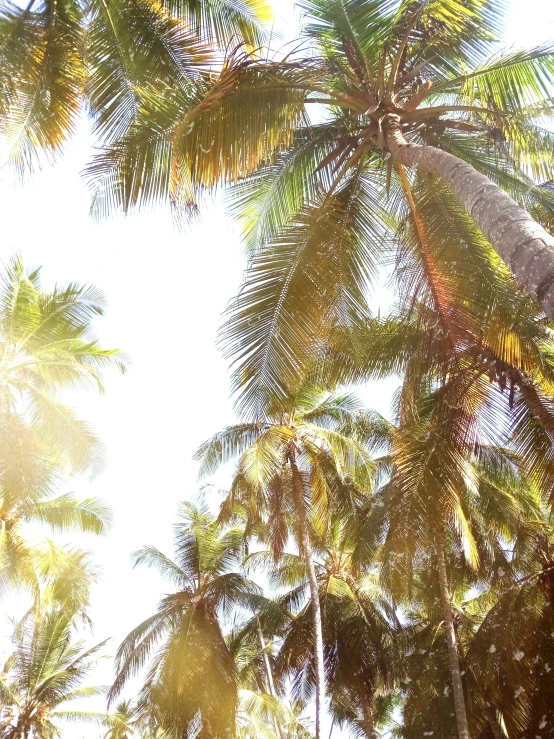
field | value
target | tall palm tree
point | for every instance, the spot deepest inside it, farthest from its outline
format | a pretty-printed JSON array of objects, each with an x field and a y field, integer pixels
[
  {"x": 191, "y": 678},
  {"x": 361, "y": 634},
  {"x": 291, "y": 461},
  {"x": 317, "y": 236},
  {"x": 461, "y": 500},
  {"x": 43, "y": 675},
  {"x": 57, "y": 56}
]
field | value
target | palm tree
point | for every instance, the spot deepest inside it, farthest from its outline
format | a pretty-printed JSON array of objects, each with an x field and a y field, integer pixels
[
  {"x": 43, "y": 675},
  {"x": 361, "y": 634},
  {"x": 122, "y": 722},
  {"x": 56, "y": 57},
  {"x": 192, "y": 677},
  {"x": 453, "y": 321},
  {"x": 292, "y": 460},
  {"x": 511, "y": 655},
  {"x": 40, "y": 565},
  {"x": 461, "y": 500},
  {"x": 47, "y": 345},
  {"x": 263, "y": 709},
  {"x": 418, "y": 84},
  {"x": 320, "y": 217}
]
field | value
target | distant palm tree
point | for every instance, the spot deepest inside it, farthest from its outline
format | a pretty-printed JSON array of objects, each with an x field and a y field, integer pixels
[
  {"x": 122, "y": 723},
  {"x": 362, "y": 638},
  {"x": 460, "y": 499},
  {"x": 191, "y": 676},
  {"x": 43, "y": 676},
  {"x": 47, "y": 345},
  {"x": 38, "y": 564},
  {"x": 264, "y": 709},
  {"x": 291, "y": 459}
]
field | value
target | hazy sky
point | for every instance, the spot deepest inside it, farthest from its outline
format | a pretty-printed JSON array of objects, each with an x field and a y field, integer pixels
[{"x": 166, "y": 291}]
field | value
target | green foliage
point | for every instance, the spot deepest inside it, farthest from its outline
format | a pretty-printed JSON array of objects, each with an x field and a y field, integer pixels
[{"x": 44, "y": 675}]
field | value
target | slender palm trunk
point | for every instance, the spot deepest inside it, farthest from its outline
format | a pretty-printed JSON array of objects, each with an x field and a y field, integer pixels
[
  {"x": 269, "y": 675},
  {"x": 523, "y": 244},
  {"x": 367, "y": 711},
  {"x": 457, "y": 687},
  {"x": 306, "y": 546},
  {"x": 268, "y": 670},
  {"x": 493, "y": 723}
]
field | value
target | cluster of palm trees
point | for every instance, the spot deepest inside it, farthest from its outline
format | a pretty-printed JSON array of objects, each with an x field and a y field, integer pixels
[
  {"x": 48, "y": 347},
  {"x": 394, "y": 576}
]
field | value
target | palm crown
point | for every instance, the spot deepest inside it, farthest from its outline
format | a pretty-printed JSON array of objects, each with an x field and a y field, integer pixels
[
  {"x": 191, "y": 672},
  {"x": 43, "y": 675}
]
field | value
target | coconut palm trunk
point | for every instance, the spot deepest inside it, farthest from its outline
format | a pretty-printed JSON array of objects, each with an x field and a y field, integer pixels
[
  {"x": 523, "y": 244},
  {"x": 367, "y": 712},
  {"x": 306, "y": 547},
  {"x": 268, "y": 670},
  {"x": 454, "y": 662},
  {"x": 269, "y": 675},
  {"x": 493, "y": 723}
]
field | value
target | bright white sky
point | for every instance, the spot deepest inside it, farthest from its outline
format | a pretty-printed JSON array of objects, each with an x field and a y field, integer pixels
[{"x": 166, "y": 291}]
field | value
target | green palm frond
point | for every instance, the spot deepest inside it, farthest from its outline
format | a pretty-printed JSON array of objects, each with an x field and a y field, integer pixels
[
  {"x": 65, "y": 512},
  {"x": 42, "y": 61},
  {"x": 198, "y": 135},
  {"x": 296, "y": 288},
  {"x": 224, "y": 22}
]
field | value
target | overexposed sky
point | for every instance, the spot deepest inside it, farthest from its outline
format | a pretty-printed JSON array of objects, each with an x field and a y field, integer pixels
[{"x": 166, "y": 291}]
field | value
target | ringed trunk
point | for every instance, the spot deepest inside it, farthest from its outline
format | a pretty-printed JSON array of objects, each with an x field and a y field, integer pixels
[
  {"x": 524, "y": 245},
  {"x": 453, "y": 660},
  {"x": 306, "y": 546}
]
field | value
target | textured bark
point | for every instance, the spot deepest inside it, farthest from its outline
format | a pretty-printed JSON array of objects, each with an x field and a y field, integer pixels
[
  {"x": 523, "y": 244},
  {"x": 306, "y": 547},
  {"x": 367, "y": 711},
  {"x": 454, "y": 662}
]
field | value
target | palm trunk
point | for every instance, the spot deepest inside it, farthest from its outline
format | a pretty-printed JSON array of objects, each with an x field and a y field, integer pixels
[
  {"x": 367, "y": 712},
  {"x": 493, "y": 723},
  {"x": 306, "y": 547},
  {"x": 268, "y": 670},
  {"x": 523, "y": 244},
  {"x": 457, "y": 687},
  {"x": 269, "y": 676}
]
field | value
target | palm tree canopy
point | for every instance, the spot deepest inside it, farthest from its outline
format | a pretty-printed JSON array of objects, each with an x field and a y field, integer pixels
[
  {"x": 191, "y": 674},
  {"x": 58, "y": 56},
  {"x": 43, "y": 675},
  {"x": 47, "y": 345}
]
